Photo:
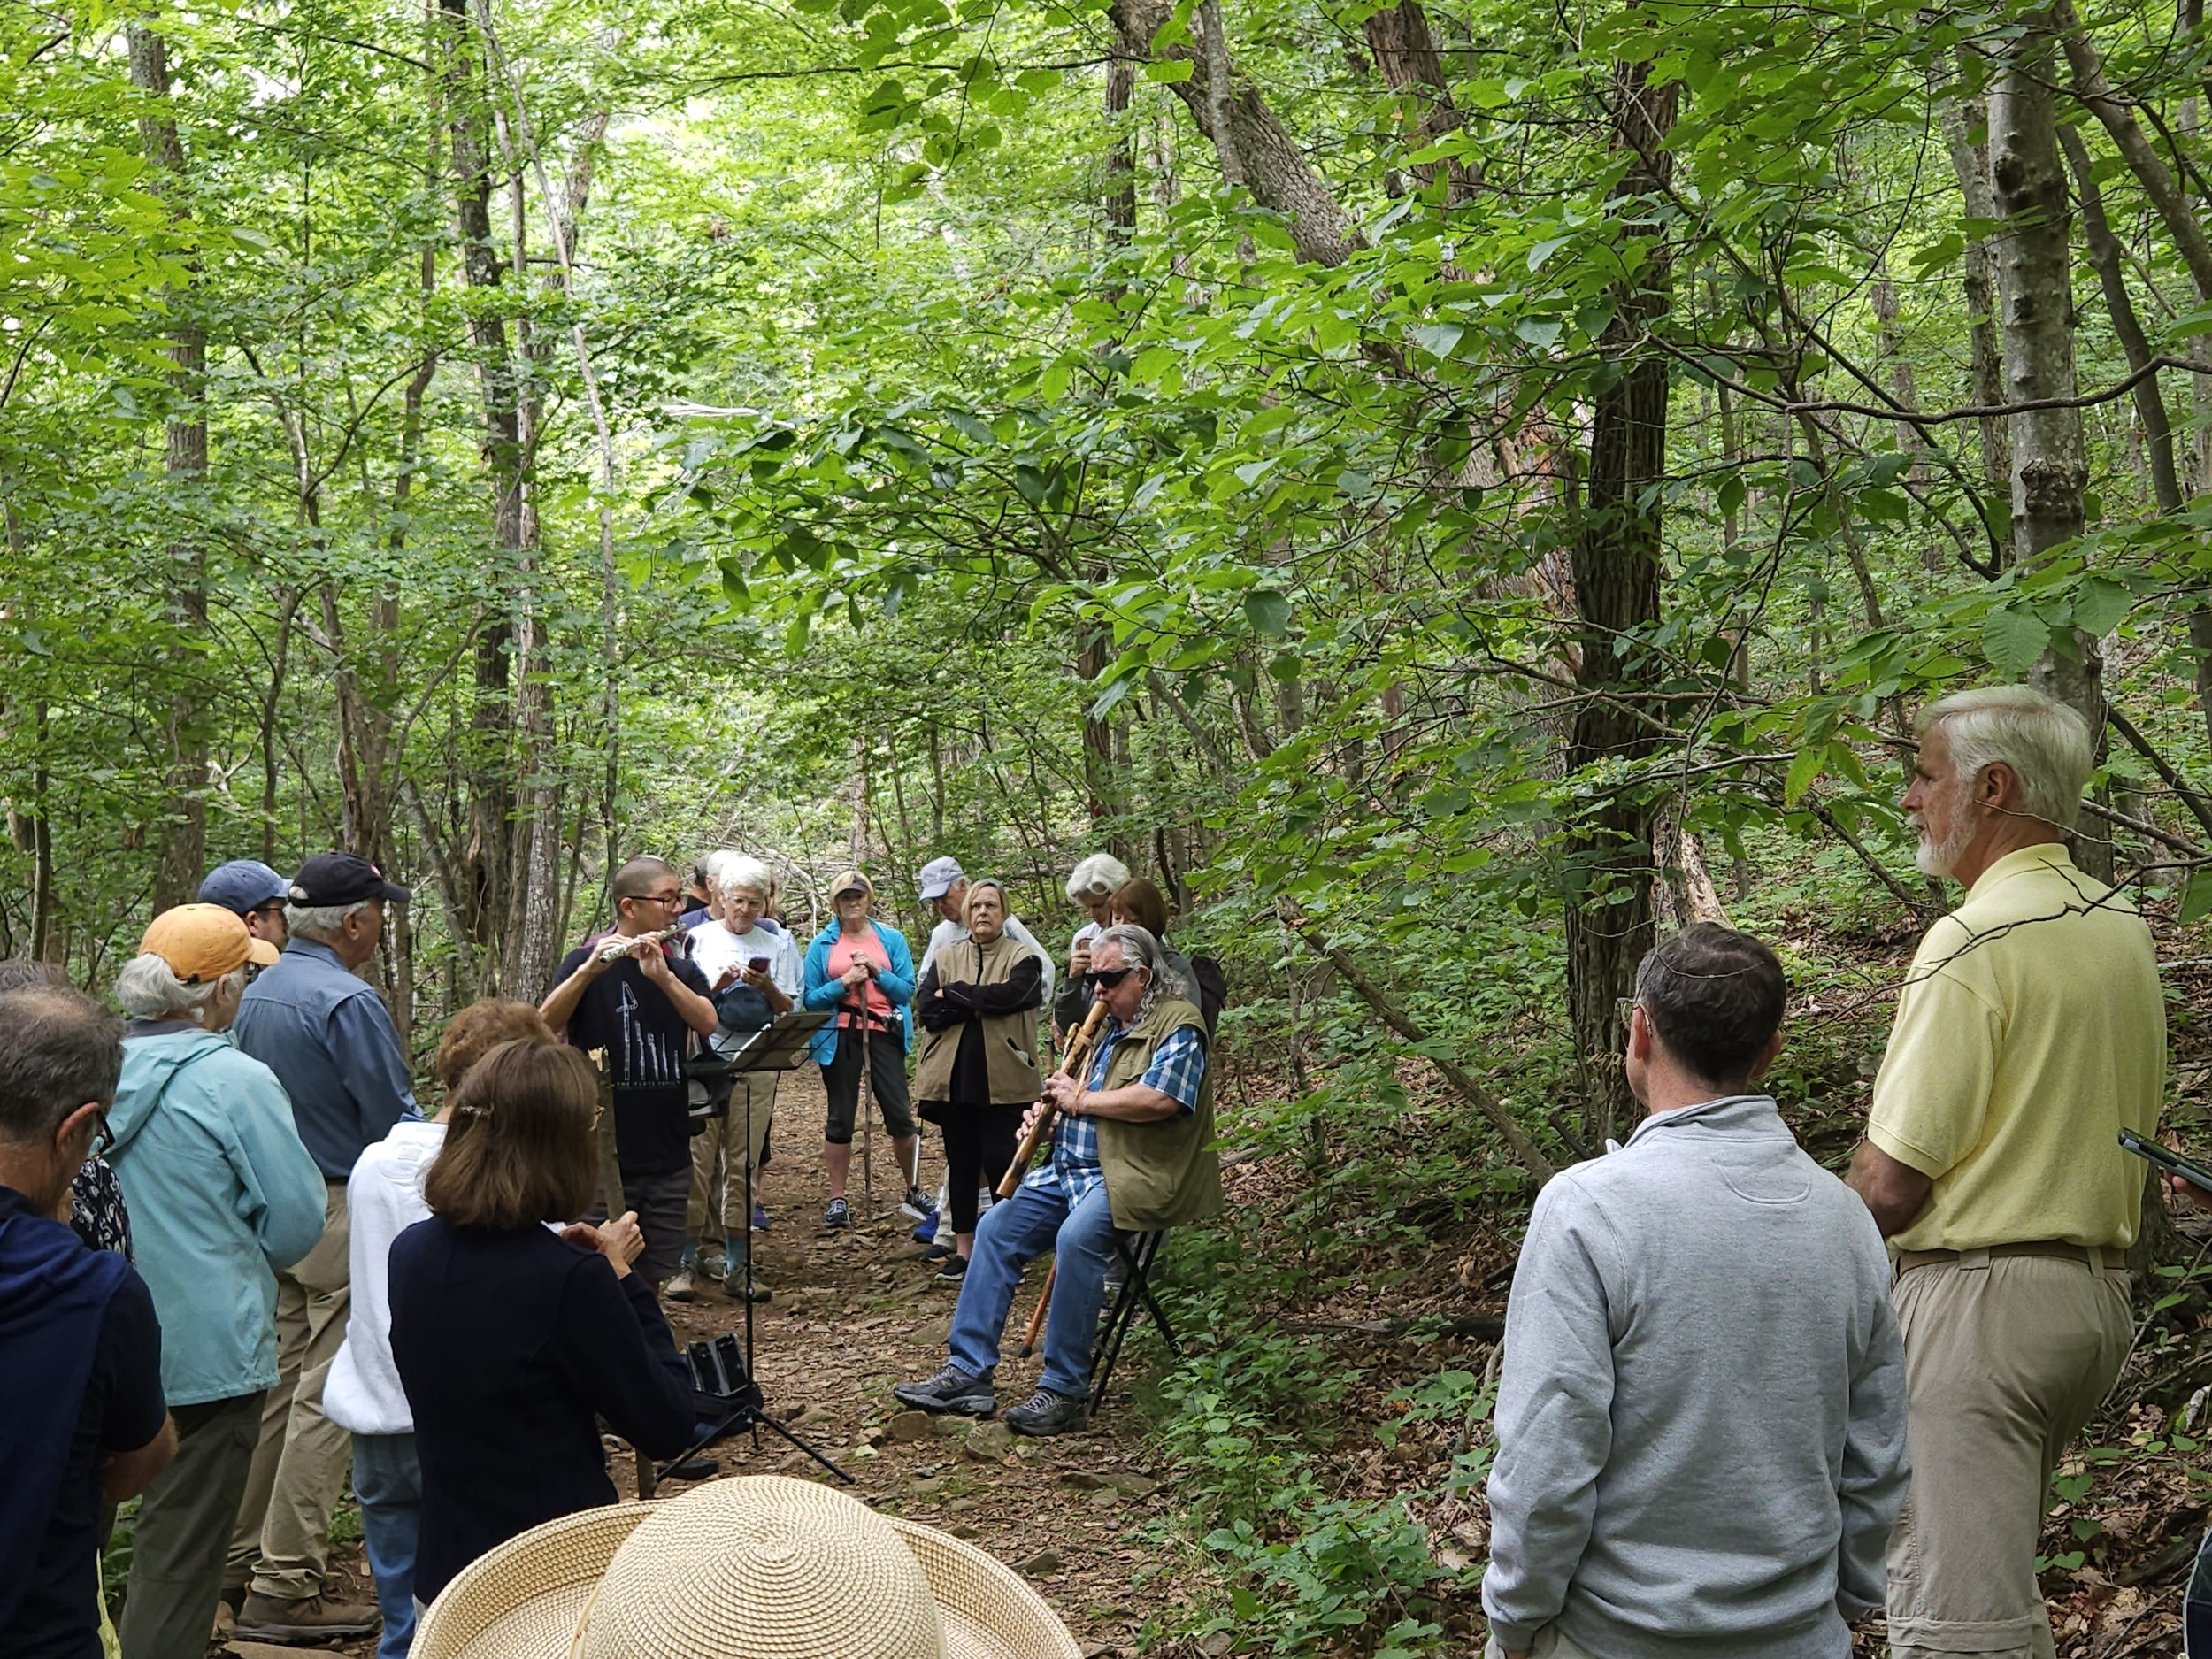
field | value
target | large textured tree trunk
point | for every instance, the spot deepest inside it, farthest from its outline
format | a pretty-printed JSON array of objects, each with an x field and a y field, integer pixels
[
  {"x": 182, "y": 856},
  {"x": 1241, "y": 124},
  {"x": 2050, "y": 471},
  {"x": 487, "y": 856},
  {"x": 1405, "y": 52},
  {"x": 1617, "y": 554}
]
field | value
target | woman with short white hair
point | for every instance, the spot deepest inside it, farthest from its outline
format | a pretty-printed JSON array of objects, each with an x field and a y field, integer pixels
[
  {"x": 752, "y": 968},
  {"x": 1092, "y": 884},
  {"x": 221, "y": 1193}
]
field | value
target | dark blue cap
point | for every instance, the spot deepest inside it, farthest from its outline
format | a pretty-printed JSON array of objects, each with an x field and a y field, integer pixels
[{"x": 243, "y": 885}]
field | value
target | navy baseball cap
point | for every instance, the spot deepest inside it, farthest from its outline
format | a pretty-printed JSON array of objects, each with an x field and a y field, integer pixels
[
  {"x": 244, "y": 884},
  {"x": 342, "y": 879}
]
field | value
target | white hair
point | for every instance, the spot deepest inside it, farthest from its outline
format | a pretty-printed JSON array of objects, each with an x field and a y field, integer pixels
[
  {"x": 729, "y": 871},
  {"x": 148, "y": 987},
  {"x": 1139, "y": 949},
  {"x": 322, "y": 922},
  {"x": 1096, "y": 878},
  {"x": 2047, "y": 744}
]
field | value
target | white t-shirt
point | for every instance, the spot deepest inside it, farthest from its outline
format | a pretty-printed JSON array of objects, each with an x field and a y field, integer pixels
[
  {"x": 716, "y": 949},
  {"x": 383, "y": 1200},
  {"x": 951, "y": 932}
]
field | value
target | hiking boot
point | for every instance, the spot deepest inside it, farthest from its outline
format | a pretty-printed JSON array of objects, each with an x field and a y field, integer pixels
[
  {"x": 918, "y": 1205},
  {"x": 950, "y": 1390},
  {"x": 926, "y": 1229},
  {"x": 733, "y": 1287},
  {"x": 951, "y": 1273},
  {"x": 1046, "y": 1412},
  {"x": 838, "y": 1217},
  {"x": 227, "y": 1613},
  {"x": 308, "y": 1622},
  {"x": 695, "y": 1469},
  {"x": 760, "y": 1217},
  {"x": 684, "y": 1287}
]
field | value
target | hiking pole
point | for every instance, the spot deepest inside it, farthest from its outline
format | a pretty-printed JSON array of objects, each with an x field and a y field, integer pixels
[{"x": 866, "y": 1105}]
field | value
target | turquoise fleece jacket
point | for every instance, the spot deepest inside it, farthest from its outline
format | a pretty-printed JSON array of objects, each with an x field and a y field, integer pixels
[
  {"x": 1700, "y": 1416},
  {"x": 896, "y": 982},
  {"x": 221, "y": 1192}
]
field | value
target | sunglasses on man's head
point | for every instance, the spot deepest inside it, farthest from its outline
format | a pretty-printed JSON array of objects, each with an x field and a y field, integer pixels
[{"x": 1111, "y": 977}]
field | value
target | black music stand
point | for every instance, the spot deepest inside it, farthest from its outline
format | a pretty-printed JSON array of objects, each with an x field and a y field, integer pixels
[{"x": 780, "y": 1045}]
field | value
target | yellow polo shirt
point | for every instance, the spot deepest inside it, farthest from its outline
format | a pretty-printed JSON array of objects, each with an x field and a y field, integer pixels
[{"x": 2031, "y": 1031}]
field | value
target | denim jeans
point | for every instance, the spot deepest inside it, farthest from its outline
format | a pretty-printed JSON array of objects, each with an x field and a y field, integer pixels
[
  {"x": 388, "y": 1481},
  {"x": 1010, "y": 1233}
]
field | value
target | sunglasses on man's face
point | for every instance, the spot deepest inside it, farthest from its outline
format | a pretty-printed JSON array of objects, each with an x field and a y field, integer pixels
[{"x": 1111, "y": 977}]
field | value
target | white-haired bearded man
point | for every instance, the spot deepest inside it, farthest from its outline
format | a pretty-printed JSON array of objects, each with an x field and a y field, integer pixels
[{"x": 2029, "y": 1032}]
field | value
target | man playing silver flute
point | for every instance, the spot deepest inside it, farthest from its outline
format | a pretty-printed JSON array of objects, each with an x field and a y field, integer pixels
[{"x": 1132, "y": 1152}]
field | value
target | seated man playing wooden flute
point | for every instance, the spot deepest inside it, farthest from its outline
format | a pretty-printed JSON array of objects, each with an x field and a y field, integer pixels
[{"x": 1131, "y": 1151}]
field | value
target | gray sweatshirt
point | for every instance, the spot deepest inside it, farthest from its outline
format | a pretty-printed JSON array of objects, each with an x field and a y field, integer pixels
[{"x": 1701, "y": 1418}]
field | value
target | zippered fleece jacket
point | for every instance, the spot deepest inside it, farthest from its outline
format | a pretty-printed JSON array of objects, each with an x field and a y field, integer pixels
[{"x": 1701, "y": 1417}]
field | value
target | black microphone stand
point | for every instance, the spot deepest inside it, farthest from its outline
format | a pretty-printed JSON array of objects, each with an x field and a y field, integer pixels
[{"x": 719, "y": 1367}]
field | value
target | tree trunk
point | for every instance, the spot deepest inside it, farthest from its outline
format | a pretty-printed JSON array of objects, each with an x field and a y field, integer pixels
[
  {"x": 1269, "y": 160},
  {"x": 182, "y": 857},
  {"x": 2127, "y": 325},
  {"x": 2034, "y": 287},
  {"x": 487, "y": 856},
  {"x": 1616, "y": 557},
  {"x": 1406, "y": 54},
  {"x": 1971, "y": 163}
]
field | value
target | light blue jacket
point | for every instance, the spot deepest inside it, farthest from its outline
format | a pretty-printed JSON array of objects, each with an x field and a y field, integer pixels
[
  {"x": 896, "y": 982},
  {"x": 220, "y": 1192}
]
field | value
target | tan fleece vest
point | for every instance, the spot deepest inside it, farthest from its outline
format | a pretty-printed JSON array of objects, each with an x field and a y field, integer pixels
[
  {"x": 1164, "y": 1174},
  {"x": 1009, "y": 1040}
]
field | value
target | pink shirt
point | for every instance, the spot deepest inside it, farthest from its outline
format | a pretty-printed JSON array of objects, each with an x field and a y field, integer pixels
[{"x": 844, "y": 949}]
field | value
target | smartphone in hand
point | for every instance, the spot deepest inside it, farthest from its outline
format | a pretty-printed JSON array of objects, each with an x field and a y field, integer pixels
[{"x": 2189, "y": 1170}]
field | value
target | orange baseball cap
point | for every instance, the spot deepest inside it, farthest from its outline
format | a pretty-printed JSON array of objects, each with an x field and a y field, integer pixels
[{"x": 201, "y": 942}]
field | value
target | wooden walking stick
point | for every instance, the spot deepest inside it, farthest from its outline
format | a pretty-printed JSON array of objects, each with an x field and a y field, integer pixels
[
  {"x": 866, "y": 1105},
  {"x": 1037, "y": 1317}
]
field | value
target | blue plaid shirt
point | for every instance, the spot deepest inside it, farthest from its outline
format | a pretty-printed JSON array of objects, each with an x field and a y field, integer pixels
[{"x": 1178, "y": 1064}]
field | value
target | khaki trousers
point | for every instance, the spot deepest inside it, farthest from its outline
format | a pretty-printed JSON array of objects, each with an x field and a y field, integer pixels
[
  {"x": 184, "y": 1525},
  {"x": 282, "y": 1543},
  {"x": 2005, "y": 1360},
  {"x": 722, "y": 1152}
]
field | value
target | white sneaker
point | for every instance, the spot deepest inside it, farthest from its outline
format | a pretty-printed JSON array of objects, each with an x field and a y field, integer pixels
[{"x": 684, "y": 1286}]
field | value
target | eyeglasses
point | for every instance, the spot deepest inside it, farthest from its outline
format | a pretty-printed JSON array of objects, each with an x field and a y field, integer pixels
[
  {"x": 1111, "y": 977},
  {"x": 661, "y": 898},
  {"x": 102, "y": 1137},
  {"x": 1623, "y": 1007}
]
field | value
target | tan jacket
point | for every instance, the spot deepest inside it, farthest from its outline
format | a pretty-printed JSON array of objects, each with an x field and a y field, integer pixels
[
  {"x": 1009, "y": 1040},
  {"x": 1164, "y": 1174}
]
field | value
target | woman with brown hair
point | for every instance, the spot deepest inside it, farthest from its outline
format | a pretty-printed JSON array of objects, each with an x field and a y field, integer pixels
[
  {"x": 511, "y": 1339},
  {"x": 384, "y": 1197},
  {"x": 977, "y": 1073},
  {"x": 1196, "y": 981}
]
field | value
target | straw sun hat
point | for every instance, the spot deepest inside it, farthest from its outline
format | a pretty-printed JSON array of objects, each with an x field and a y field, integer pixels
[{"x": 754, "y": 1567}]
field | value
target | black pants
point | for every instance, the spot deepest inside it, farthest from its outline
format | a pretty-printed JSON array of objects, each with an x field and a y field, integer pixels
[
  {"x": 887, "y": 1080},
  {"x": 980, "y": 1143}
]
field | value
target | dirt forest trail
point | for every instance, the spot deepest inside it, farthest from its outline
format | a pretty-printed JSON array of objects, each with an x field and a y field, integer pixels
[{"x": 854, "y": 1313}]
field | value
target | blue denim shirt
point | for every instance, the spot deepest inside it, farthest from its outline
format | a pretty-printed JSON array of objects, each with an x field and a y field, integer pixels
[{"x": 328, "y": 1037}]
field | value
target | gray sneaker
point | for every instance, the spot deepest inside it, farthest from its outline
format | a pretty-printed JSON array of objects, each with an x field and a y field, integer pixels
[
  {"x": 684, "y": 1286},
  {"x": 838, "y": 1218},
  {"x": 950, "y": 1390},
  {"x": 1046, "y": 1412}
]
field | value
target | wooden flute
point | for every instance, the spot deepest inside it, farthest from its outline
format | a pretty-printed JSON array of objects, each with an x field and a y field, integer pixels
[{"x": 1078, "y": 1053}]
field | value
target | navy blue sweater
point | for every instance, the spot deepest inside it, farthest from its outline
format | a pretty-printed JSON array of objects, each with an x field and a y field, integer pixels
[{"x": 507, "y": 1344}]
